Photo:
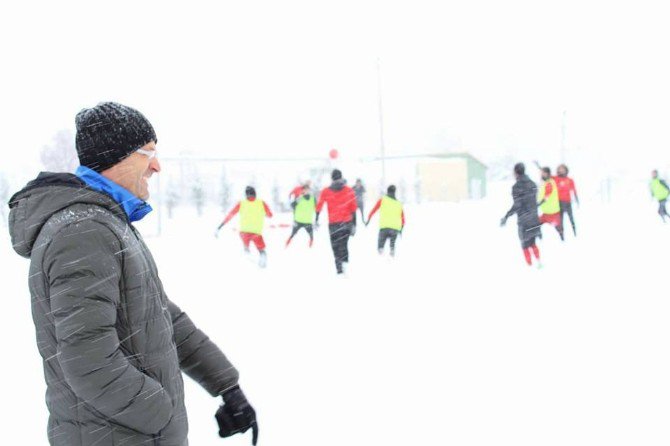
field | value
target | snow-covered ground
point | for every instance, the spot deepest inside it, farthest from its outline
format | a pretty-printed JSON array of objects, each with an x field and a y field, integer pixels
[{"x": 455, "y": 342}]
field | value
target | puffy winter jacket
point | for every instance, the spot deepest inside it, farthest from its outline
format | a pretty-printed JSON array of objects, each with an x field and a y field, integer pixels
[
  {"x": 112, "y": 343},
  {"x": 341, "y": 202},
  {"x": 524, "y": 193}
]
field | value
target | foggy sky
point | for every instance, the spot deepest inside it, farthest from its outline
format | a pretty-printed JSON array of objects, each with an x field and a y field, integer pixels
[{"x": 297, "y": 78}]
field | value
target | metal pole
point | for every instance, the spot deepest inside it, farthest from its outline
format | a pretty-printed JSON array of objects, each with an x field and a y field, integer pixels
[
  {"x": 563, "y": 136},
  {"x": 382, "y": 148}
]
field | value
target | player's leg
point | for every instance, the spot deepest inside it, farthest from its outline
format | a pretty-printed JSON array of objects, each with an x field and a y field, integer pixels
[
  {"x": 246, "y": 240},
  {"x": 310, "y": 232},
  {"x": 393, "y": 236},
  {"x": 262, "y": 254},
  {"x": 294, "y": 231}
]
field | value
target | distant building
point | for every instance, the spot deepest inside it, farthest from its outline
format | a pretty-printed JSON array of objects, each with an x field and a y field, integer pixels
[
  {"x": 451, "y": 177},
  {"x": 441, "y": 177}
]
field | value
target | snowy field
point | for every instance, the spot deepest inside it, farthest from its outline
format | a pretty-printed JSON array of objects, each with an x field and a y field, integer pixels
[{"x": 455, "y": 342}]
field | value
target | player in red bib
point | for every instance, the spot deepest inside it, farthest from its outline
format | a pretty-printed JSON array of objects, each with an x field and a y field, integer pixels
[{"x": 566, "y": 189}]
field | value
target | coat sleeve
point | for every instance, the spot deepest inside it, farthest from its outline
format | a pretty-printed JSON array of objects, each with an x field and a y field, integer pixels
[
  {"x": 84, "y": 271},
  {"x": 268, "y": 211},
  {"x": 233, "y": 212},
  {"x": 516, "y": 206},
  {"x": 199, "y": 357},
  {"x": 573, "y": 188},
  {"x": 374, "y": 210}
]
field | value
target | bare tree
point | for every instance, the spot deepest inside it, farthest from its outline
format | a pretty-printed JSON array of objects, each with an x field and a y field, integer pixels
[
  {"x": 276, "y": 196},
  {"x": 198, "y": 196},
  {"x": 225, "y": 193},
  {"x": 60, "y": 155},
  {"x": 172, "y": 197}
]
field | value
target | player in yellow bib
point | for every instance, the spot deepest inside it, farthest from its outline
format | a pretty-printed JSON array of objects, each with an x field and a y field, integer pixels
[
  {"x": 548, "y": 202},
  {"x": 252, "y": 220},
  {"x": 304, "y": 212},
  {"x": 391, "y": 219},
  {"x": 659, "y": 191}
]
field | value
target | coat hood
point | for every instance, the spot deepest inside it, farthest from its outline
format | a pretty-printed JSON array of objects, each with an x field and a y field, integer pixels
[
  {"x": 49, "y": 193},
  {"x": 338, "y": 185}
]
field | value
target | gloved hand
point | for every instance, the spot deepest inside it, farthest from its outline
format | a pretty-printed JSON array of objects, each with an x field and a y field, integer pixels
[
  {"x": 503, "y": 221},
  {"x": 352, "y": 230},
  {"x": 236, "y": 415}
]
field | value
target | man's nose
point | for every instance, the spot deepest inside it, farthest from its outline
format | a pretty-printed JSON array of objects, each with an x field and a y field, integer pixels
[{"x": 154, "y": 165}]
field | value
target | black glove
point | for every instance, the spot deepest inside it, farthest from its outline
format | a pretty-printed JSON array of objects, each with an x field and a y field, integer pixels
[
  {"x": 236, "y": 415},
  {"x": 503, "y": 221},
  {"x": 352, "y": 230}
]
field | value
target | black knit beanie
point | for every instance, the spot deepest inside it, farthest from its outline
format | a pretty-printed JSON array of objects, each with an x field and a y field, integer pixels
[
  {"x": 336, "y": 175},
  {"x": 110, "y": 132}
]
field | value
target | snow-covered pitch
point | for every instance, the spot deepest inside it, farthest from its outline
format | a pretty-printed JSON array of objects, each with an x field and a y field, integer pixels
[{"x": 454, "y": 342}]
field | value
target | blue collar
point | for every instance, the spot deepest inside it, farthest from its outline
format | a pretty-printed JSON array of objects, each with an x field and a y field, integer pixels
[{"x": 135, "y": 208}]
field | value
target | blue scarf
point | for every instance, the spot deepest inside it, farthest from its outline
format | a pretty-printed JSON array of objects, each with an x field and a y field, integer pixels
[{"x": 135, "y": 208}]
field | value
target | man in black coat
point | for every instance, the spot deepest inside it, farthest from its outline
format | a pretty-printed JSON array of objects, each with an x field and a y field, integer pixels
[{"x": 524, "y": 193}]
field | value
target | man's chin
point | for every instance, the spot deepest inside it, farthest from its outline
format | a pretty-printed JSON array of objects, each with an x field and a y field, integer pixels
[{"x": 143, "y": 195}]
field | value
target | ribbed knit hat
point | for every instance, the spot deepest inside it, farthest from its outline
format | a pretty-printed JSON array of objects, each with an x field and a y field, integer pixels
[{"x": 110, "y": 132}]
